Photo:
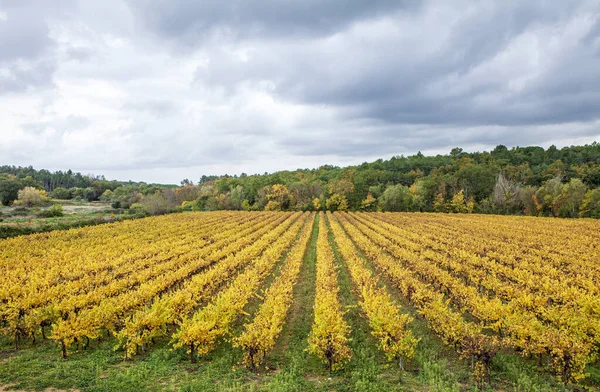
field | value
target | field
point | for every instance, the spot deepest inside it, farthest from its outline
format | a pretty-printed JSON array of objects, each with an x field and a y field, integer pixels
[
  {"x": 304, "y": 301},
  {"x": 15, "y": 221}
]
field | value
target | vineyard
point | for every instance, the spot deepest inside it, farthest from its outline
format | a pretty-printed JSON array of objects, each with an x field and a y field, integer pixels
[{"x": 304, "y": 301}]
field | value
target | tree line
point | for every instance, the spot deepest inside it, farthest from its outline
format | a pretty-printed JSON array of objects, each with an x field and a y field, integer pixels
[
  {"x": 16, "y": 184},
  {"x": 521, "y": 180}
]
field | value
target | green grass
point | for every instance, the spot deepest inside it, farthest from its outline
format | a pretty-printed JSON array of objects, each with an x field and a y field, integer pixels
[{"x": 102, "y": 369}]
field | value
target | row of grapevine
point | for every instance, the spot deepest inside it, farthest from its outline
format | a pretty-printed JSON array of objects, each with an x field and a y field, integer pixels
[
  {"x": 29, "y": 309},
  {"x": 110, "y": 312},
  {"x": 90, "y": 275},
  {"x": 201, "y": 331},
  {"x": 259, "y": 336},
  {"x": 328, "y": 337},
  {"x": 568, "y": 335},
  {"x": 76, "y": 253},
  {"x": 467, "y": 337},
  {"x": 150, "y": 322},
  {"x": 388, "y": 326},
  {"x": 520, "y": 241},
  {"x": 520, "y": 256},
  {"x": 481, "y": 283},
  {"x": 539, "y": 293}
]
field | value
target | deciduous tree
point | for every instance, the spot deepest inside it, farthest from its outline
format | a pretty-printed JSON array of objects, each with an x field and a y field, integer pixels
[{"x": 31, "y": 197}]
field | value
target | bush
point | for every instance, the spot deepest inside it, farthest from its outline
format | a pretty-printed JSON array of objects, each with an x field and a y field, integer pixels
[
  {"x": 273, "y": 205},
  {"x": 20, "y": 211},
  {"x": 13, "y": 231},
  {"x": 108, "y": 195},
  {"x": 188, "y": 206},
  {"x": 55, "y": 210},
  {"x": 136, "y": 208},
  {"x": 116, "y": 204}
]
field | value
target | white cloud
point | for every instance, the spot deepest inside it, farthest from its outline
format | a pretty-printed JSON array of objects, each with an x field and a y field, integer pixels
[{"x": 162, "y": 95}]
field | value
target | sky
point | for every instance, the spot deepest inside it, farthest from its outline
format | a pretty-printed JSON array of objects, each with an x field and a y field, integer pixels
[{"x": 161, "y": 90}]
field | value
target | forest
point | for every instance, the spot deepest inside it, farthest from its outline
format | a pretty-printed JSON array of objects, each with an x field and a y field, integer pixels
[{"x": 533, "y": 181}]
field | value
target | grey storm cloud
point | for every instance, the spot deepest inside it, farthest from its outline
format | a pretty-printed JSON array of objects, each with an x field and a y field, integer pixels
[
  {"x": 191, "y": 22},
  {"x": 211, "y": 87},
  {"x": 395, "y": 78}
]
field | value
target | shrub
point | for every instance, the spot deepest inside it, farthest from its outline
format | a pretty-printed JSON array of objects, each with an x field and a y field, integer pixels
[
  {"x": 55, "y": 210},
  {"x": 20, "y": 211},
  {"x": 187, "y": 206},
  {"x": 136, "y": 208},
  {"x": 273, "y": 205},
  {"x": 108, "y": 195}
]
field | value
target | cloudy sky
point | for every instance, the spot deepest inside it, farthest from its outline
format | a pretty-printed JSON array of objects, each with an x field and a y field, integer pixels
[{"x": 160, "y": 90}]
